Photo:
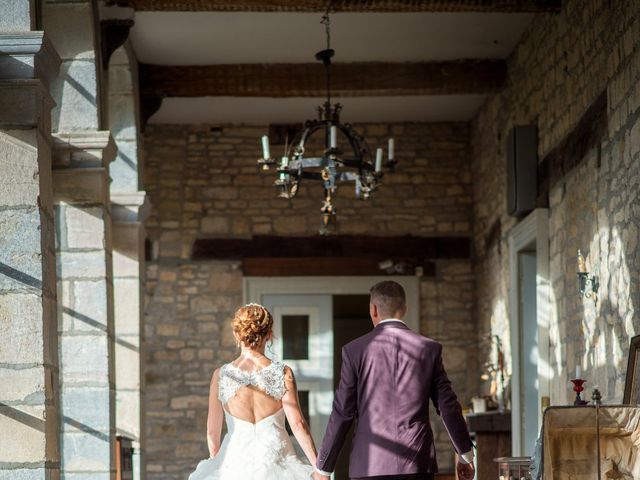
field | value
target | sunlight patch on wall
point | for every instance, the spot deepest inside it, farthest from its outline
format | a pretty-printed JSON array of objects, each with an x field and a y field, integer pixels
[
  {"x": 545, "y": 310},
  {"x": 500, "y": 327},
  {"x": 609, "y": 320},
  {"x": 557, "y": 352}
]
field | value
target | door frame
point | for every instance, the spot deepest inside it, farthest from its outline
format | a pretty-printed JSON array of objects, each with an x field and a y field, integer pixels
[
  {"x": 255, "y": 287},
  {"x": 533, "y": 230}
]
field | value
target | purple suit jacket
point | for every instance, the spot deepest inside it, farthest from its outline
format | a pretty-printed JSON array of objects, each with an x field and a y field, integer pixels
[{"x": 387, "y": 377}]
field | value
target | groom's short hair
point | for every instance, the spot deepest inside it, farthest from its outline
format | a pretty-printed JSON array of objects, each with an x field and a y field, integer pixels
[{"x": 389, "y": 297}]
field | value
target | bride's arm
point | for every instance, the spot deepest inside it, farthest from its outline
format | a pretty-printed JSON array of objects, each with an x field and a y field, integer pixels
[
  {"x": 215, "y": 417},
  {"x": 298, "y": 424}
]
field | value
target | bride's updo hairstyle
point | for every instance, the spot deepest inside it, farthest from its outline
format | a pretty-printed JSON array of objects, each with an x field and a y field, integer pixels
[{"x": 252, "y": 323}]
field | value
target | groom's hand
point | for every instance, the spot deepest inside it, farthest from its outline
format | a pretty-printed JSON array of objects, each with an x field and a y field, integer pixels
[{"x": 465, "y": 471}]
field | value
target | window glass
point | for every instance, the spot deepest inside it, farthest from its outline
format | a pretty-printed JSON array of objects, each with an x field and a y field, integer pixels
[{"x": 295, "y": 337}]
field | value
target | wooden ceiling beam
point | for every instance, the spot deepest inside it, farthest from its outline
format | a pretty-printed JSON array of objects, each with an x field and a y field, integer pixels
[
  {"x": 327, "y": 266},
  {"x": 333, "y": 246},
  {"x": 486, "y": 6},
  {"x": 309, "y": 80}
]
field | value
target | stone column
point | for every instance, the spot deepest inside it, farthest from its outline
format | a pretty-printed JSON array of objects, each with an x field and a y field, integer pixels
[
  {"x": 85, "y": 305},
  {"x": 129, "y": 211},
  {"x": 29, "y": 448},
  {"x": 129, "y": 207},
  {"x": 83, "y": 227}
]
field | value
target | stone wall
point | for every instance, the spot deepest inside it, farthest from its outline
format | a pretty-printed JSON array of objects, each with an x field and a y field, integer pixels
[
  {"x": 562, "y": 65},
  {"x": 187, "y": 338},
  {"x": 203, "y": 182}
]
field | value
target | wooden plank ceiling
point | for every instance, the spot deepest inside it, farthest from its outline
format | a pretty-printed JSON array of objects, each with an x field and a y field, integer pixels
[
  {"x": 488, "y": 6},
  {"x": 356, "y": 79}
]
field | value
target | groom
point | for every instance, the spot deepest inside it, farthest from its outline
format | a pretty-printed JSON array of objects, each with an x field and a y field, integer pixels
[{"x": 387, "y": 377}]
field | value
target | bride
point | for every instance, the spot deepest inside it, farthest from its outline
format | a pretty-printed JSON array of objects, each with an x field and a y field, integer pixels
[{"x": 254, "y": 395}]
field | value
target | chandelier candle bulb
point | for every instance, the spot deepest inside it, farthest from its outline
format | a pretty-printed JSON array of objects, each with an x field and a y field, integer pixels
[
  {"x": 582, "y": 267},
  {"x": 333, "y": 143},
  {"x": 266, "y": 154},
  {"x": 284, "y": 164},
  {"x": 378, "y": 160},
  {"x": 578, "y": 371},
  {"x": 391, "y": 148}
]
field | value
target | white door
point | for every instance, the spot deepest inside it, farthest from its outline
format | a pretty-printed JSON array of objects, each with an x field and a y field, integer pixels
[
  {"x": 528, "y": 360},
  {"x": 529, "y": 311},
  {"x": 303, "y": 339}
]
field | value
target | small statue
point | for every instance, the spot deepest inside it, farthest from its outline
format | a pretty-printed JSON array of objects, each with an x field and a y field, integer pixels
[{"x": 596, "y": 397}]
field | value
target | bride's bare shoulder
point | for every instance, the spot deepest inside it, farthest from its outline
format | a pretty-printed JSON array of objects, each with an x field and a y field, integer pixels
[
  {"x": 289, "y": 376},
  {"x": 218, "y": 372}
]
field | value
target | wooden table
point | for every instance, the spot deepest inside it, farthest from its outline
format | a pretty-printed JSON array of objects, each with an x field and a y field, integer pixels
[{"x": 492, "y": 432}]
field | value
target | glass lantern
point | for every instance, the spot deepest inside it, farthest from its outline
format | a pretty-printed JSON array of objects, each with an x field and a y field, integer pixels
[{"x": 513, "y": 468}]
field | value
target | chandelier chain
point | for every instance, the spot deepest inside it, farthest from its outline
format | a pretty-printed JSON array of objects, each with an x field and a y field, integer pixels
[{"x": 326, "y": 21}]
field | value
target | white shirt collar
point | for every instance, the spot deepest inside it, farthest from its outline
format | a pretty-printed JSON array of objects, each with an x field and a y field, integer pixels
[{"x": 390, "y": 320}]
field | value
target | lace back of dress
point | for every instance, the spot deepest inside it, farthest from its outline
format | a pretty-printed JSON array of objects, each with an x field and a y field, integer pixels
[{"x": 269, "y": 379}]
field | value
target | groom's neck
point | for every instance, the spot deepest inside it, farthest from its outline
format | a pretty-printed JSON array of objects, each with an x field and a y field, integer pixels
[{"x": 395, "y": 316}]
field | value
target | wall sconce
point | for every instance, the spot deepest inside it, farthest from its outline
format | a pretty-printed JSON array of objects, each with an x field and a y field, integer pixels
[{"x": 587, "y": 283}]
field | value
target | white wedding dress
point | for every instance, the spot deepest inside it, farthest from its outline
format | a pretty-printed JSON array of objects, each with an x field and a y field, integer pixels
[{"x": 253, "y": 451}]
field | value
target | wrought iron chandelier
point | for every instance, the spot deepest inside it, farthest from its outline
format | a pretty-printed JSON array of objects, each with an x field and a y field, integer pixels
[{"x": 355, "y": 164}]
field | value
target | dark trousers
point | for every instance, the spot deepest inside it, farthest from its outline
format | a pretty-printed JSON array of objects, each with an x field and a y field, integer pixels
[{"x": 415, "y": 476}]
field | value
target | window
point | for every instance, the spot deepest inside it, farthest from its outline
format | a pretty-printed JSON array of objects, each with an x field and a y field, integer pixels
[{"x": 295, "y": 337}]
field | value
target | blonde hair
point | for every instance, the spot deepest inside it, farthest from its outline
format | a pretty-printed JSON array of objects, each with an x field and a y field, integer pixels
[{"x": 251, "y": 324}]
